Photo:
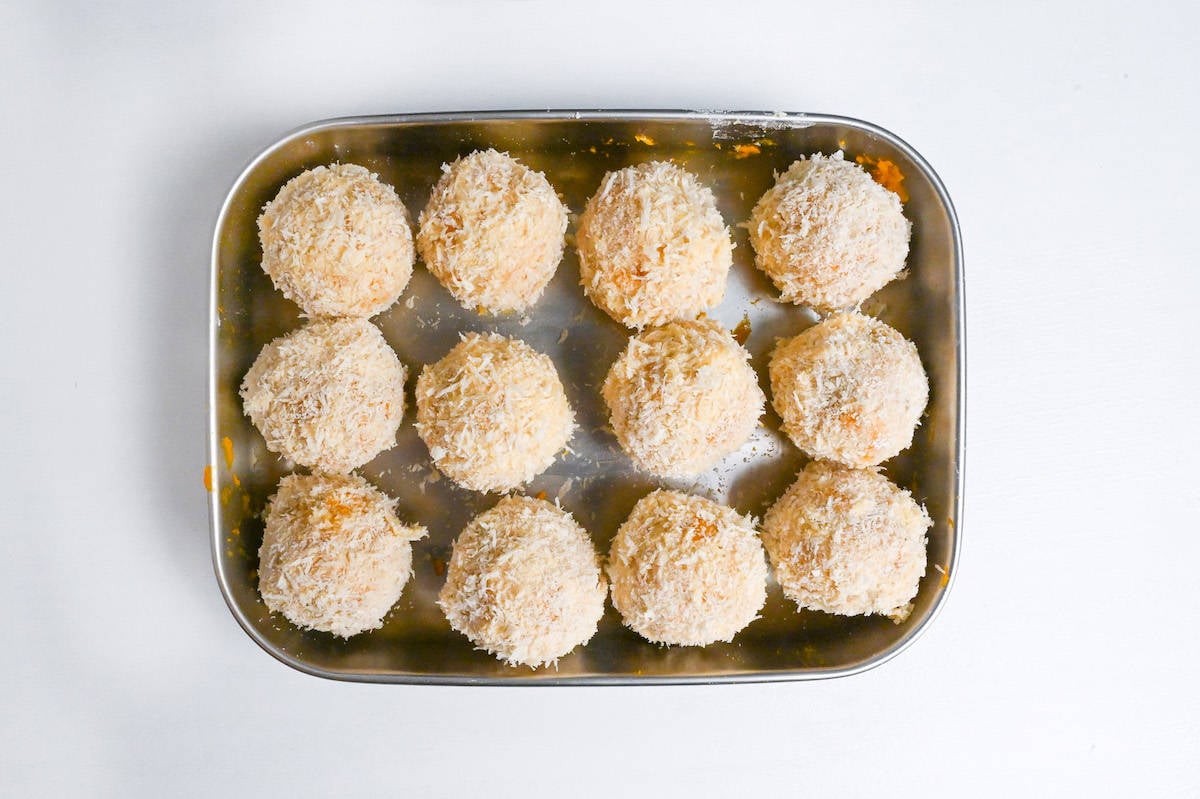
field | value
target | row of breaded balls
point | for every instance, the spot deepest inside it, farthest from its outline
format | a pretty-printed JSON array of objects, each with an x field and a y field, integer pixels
[{"x": 524, "y": 581}]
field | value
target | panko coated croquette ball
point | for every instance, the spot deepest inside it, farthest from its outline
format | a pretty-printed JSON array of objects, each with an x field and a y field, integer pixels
[
  {"x": 336, "y": 241},
  {"x": 686, "y": 570},
  {"x": 334, "y": 557},
  {"x": 681, "y": 397},
  {"x": 330, "y": 395},
  {"x": 652, "y": 246},
  {"x": 524, "y": 583},
  {"x": 850, "y": 389},
  {"x": 492, "y": 232},
  {"x": 493, "y": 413},
  {"x": 847, "y": 541},
  {"x": 827, "y": 234}
]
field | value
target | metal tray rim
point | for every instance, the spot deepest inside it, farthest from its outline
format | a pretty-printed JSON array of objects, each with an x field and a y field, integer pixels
[{"x": 789, "y": 119}]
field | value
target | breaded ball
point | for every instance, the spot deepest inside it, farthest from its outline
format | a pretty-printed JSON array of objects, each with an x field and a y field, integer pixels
[
  {"x": 334, "y": 557},
  {"x": 652, "y": 246},
  {"x": 850, "y": 389},
  {"x": 336, "y": 241},
  {"x": 493, "y": 413},
  {"x": 524, "y": 583},
  {"x": 330, "y": 395},
  {"x": 827, "y": 234},
  {"x": 847, "y": 541},
  {"x": 681, "y": 397},
  {"x": 686, "y": 570},
  {"x": 492, "y": 232}
]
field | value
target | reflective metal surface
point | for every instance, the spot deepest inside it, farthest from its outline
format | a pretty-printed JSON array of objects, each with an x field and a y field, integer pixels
[{"x": 734, "y": 153}]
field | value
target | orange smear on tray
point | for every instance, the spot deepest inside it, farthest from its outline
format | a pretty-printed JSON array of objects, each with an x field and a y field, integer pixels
[
  {"x": 643, "y": 138},
  {"x": 742, "y": 331},
  {"x": 227, "y": 448},
  {"x": 746, "y": 150},
  {"x": 886, "y": 174},
  {"x": 208, "y": 478}
]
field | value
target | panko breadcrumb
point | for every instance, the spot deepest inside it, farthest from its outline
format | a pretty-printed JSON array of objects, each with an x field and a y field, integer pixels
[
  {"x": 827, "y": 234},
  {"x": 686, "y": 570},
  {"x": 493, "y": 413},
  {"x": 652, "y": 246},
  {"x": 681, "y": 397},
  {"x": 850, "y": 389},
  {"x": 492, "y": 232},
  {"x": 329, "y": 396},
  {"x": 334, "y": 557},
  {"x": 524, "y": 583},
  {"x": 847, "y": 541},
  {"x": 336, "y": 241}
]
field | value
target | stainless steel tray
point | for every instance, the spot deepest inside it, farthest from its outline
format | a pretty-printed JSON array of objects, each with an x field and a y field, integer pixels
[{"x": 734, "y": 153}]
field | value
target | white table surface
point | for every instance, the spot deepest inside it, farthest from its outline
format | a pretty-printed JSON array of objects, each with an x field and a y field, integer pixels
[{"x": 1064, "y": 661}]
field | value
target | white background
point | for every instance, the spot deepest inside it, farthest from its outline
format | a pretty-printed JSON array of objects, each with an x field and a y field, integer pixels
[{"x": 1064, "y": 661}]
